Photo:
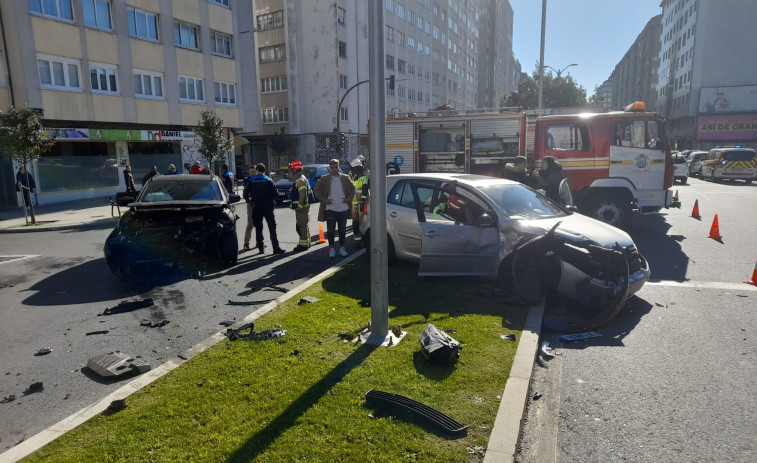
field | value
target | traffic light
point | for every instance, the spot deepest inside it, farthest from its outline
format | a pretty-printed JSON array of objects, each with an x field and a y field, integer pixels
[{"x": 391, "y": 82}]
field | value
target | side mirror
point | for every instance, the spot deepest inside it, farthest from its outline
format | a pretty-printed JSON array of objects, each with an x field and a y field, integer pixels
[
  {"x": 484, "y": 221},
  {"x": 234, "y": 198}
]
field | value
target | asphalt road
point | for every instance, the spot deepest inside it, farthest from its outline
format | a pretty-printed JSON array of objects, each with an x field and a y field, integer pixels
[
  {"x": 672, "y": 377},
  {"x": 54, "y": 293}
]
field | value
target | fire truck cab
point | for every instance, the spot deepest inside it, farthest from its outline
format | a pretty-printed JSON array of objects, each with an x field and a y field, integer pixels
[{"x": 615, "y": 162}]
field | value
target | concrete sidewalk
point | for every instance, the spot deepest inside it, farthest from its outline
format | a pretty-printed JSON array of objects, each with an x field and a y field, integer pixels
[{"x": 60, "y": 216}]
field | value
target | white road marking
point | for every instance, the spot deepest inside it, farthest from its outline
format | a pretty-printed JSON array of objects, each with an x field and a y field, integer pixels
[
  {"x": 7, "y": 259},
  {"x": 703, "y": 284}
]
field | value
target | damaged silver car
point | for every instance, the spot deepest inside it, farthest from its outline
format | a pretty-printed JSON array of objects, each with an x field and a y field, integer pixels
[
  {"x": 462, "y": 224},
  {"x": 181, "y": 220}
]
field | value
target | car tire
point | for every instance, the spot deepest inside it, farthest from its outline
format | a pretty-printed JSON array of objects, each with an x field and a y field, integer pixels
[
  {"x": 612, "y": 210},
  {"x": 683, "y": 181},
  {"x": 391, "y": 254},
  {"x": 748, "y": 181},
  {"x": 228, "y": 248}
]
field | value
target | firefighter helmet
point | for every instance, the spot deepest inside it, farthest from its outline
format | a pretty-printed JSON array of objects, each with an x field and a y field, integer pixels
[{"x": 295, "y": 165}]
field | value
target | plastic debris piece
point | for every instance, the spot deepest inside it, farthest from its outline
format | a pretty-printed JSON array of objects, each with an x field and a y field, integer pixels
[
  {"x": 276, "y": 288},
  {"x": 546, "y": 350},
  {"x": 418, "y": 410},
  {"x": 507, "y": 337},
  {"x": 227, "y": 322},
  {"x": 295, "y": 353},
  {"x": 202, "y": 382},
  {"x": 34, "y": 387},
  {"x": 181, "y": 356},
  {"x": 308, "y": 300},
  {"x": 537, "y": 396},
  {"x": 145, "y": 323},
  {"x": 97, "y": 332},
  {"x": 117, "y": 364},
  {"x": 577, "y": 336},
  {"x": 160, "y": 323},
  {"x": 44, "y": 351},
  {"x": 8, "y": 398}
]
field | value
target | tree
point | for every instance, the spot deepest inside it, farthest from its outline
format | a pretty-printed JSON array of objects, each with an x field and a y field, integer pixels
[
  {"x": 210, "y": 140},
  {"x": 558, "y": 92},
  {"x": 597, "y": 99},
  {"x": 22, "y": 139}
]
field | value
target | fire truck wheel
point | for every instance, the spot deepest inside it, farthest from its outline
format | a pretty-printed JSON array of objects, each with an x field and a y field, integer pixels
[{"x": 611, "y": 209}]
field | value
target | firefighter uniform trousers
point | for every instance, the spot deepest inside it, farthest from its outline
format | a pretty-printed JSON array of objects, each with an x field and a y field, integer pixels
[
  {"x": 302, "y": 219},
  {"x": 358, "y": 208}
]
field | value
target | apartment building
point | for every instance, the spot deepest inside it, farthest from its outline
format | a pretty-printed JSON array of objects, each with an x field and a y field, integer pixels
[
  {"x": 707, "y": 79},
  {"x": 635, "y": 76},
  {"x": 119, "y": 82},
  {"x": 499, "y": 70}
]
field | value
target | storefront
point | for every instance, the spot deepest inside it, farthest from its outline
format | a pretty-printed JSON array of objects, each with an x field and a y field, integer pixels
[{"x": 727, "y": 117}]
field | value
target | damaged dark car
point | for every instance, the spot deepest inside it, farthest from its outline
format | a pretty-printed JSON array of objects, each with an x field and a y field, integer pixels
[
  {"x": 177, "y": 220},
  {"x": 471, "y": 225}
]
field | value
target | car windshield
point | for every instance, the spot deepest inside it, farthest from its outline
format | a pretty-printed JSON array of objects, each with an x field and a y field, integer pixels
[
  {"x": 679, "y": 160},
  {"x": 279, "y": 174},
  {"x": 519, "y": 202},
  {"x": 739, "y": 156},
  {"x": 181, "y": 191}
]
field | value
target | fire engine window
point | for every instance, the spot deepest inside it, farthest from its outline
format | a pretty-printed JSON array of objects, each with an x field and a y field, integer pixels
[
  {"x": 634, "y": 134},
  {"x": 653, "y": 136},
  {"x": 567, "y": 137}
]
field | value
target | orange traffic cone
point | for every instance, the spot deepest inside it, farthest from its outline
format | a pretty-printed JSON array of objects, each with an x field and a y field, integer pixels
[
  {"x": 753, "y": 281},
  {"x": 675, "y": 196},
  {"x": 321, "y": 238},
  {"x": 695, "y": 212},
  {"x": 715, "y": 229}
]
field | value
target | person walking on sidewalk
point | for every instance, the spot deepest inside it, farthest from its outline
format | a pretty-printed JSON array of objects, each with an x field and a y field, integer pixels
[
  {"x": 129, "y": 180},
  {"x": 261, "y": 193},
  {"x": 248, "y": 199},
  {"x": 196, "y": 169},
  {"x": 25, "y": 184},
  {"x": 335, "y": 192},
  {"x": 228, "y": 179},
  {"x": 153, "y": 172},
  {"x": 301, "y": 205},
  {"x": 172, "y": 170}
]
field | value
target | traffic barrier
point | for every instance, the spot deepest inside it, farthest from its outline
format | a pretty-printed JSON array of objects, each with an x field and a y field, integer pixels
[
  {"x": 321, "y": 238},
  {"x": 715, "y": 229},
  {"x": 753, "y": 281},
  {"x": 675, "y": 196},
  {"x": 695, "y": 211}
]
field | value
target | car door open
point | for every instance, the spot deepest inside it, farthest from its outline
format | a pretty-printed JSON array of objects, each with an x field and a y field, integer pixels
[{"x": 461, "y": 238}]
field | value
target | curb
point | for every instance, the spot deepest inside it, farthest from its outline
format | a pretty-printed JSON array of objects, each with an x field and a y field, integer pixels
[
  {"x": 55, "y": 431},
  {"x": 503, "y": 441}
]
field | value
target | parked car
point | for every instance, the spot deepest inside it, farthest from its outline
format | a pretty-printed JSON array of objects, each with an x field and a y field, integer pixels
[
  {"x": 695, "y": 160},
  {"x": 681, "y": 166},
  {"x": 729, "y": 163},
  {"x": 311, "y": 171},
  {"x": 175, "y": 220},
  {"x": 461, "y": 224}
]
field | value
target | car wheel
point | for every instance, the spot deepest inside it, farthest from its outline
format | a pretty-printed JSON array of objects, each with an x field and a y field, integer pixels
[
  {"x": 228, "y": 248},
  {"x": 612, "y": 210},
  {"x": 748, "y": 181},
  {"x": 683, "y": 181},
  {"x": 391, "y": 254}
]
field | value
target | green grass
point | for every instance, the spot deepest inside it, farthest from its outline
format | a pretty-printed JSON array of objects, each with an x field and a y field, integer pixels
[{"x": 262, "y": 401}]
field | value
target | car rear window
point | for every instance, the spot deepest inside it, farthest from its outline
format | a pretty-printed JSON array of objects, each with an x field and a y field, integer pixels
[
  {"x": 738, "y": 156},
  {"x": 181, "y": 191},
  {"x": 679, "y": 160}
]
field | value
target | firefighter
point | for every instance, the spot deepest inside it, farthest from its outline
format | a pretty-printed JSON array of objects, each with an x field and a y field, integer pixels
[
  {"x": 301, "y": 205},
  {"x": 361, "y": 178}
]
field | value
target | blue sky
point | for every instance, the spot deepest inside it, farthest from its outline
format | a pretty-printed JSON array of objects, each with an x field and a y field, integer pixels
[{"x": 595, "y": 34}]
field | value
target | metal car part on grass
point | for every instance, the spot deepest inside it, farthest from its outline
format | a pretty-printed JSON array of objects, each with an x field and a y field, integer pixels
[{"x": 117, "y": 364}]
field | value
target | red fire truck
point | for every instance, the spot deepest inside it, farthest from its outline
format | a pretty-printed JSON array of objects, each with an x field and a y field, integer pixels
[{"x": 615, "y": 162}]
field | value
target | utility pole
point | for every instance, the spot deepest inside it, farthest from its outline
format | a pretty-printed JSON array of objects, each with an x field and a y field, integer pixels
[{"x": 541, "y": 54}]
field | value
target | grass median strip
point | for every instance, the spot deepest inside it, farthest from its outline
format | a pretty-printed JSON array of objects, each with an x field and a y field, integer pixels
[{"x": 302, "y": 397}]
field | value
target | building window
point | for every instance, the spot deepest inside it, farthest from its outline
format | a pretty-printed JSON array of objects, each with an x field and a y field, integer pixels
[
  {"x": 343, "y": 50},
  {"x": 221, "y": 44},
  {"x": 389, "y": 91},
  {"x": 389, "y": 33},
  {"x": 273, "y": 84},
  {"x": 191, "y": 90},
  {"x": 185, "y": 35},
  {"x": 60, "y": 9},
  {"x": 274, "y": 115},
  {"x": 390, "y": 62},
  {"x": 344, "y": 114},
  {"x": 411, "y": 43},
  {"x": 343, "y": 81},
  {"x": 389, "y": 5},
  {"x": 103, "y": 78},
  {"x": 142, "y": 24},
  {"x": 272, "y": 53},
  {"x": 400, "y": 39},
  {"x": 401, "y": 66},
  {"x": 225, "y": 93},
  {"x": 97, "y": 14},
  {"x": 402, "y": 91},
  {"x": 400, "y": 11},
  {"x": 270, "y": 20},
  {"x": 220, "y": 2},
  {"x": 340, "y": 13},
  {"x": 58, "y": 73},
  {"x": 148, "y": 85}
]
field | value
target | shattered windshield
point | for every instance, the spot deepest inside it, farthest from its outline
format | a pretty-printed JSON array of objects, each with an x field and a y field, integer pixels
[
  {"x": 519, "y": 202},
  {"x": 181, "y": 191}
]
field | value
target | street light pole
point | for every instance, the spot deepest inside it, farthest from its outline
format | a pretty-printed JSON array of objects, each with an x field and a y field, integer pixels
[
  {"x": 541, "y": 53},
  {"x": 561, "y": 70}
]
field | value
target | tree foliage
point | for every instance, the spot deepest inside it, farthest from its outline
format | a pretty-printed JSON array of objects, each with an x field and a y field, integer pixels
[
  {"x": 558, "y": 92},
  {"x": 21, "y": 135},
  {"x": 597, "y": 99},
  {"x": 211, "y": 140}
]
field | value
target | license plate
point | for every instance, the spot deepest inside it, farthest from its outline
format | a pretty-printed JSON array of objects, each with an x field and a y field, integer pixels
[{"x": 194, "y": 218}]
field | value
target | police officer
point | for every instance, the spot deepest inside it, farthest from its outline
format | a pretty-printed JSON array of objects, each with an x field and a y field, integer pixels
[
  {"x": 228, "y": 179},
  {"x": 261, "y": 193},
  {"x": 360, "y": 177},
  {"x": 301, "y": 205}
]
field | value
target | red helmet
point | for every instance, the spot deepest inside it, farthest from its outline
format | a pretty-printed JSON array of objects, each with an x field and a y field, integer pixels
[{"x": 295, "y": 165}]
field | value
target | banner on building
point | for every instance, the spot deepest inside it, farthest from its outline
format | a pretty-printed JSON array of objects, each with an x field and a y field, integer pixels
[
  {"x": 67, "y": 134},
  {"x": 728, "y": 99},
  {"x": 732, "y": 127}
]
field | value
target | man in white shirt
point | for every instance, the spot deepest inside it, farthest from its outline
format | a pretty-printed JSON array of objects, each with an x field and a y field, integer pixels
[{"x": 335, "y": 192}]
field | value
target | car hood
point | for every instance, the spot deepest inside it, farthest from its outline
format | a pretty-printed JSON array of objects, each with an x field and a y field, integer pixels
[
  {"x": 579, "y": 228},
  {"x": 283, "y": 183}
]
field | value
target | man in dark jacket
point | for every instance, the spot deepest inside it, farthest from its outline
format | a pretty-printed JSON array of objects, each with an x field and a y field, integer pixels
[
  {"x": 153, "y": 172},
  {"x": 517, "y": 170},
  {"x": 549, "y": 177},
  {"x": 129, "y": 180},
  {"x": 228, "y": 179},
  {"x": 261, "y": 192},
  {"x": 25, "y": 184}
]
